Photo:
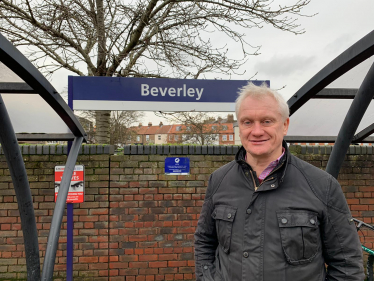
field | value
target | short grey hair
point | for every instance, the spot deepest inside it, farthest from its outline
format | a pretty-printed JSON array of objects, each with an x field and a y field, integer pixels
[{"x": 258, "y": 92}]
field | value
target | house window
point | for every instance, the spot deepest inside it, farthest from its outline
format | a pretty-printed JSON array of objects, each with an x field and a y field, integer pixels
[
  {"x": 224, "y": 128},
  {"x": 159, "y": 137},
  {"x": 176, "y": 137},
  {"x": 231, "y": 137},
  {"x": 147, "y": 137},
  {"x": 179, "y": 128},
  {"x": 188, "y": 128},
  {"x": 224, "y": 137},
  {"x": 170, "y": 137},
  {"x": 214, "y": 128},
  {"x": 137, "y": 138}
]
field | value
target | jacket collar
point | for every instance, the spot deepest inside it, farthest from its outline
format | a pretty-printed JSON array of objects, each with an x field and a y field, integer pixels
[{"x": 240, "y": 159}]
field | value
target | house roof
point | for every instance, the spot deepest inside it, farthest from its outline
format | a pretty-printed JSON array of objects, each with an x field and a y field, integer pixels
[
  {"x": 151, "y": 130},
  {"x": 165, "y": 129},
  {"x": 172, "y": 129},
  {"x": 183, "y": 130}
]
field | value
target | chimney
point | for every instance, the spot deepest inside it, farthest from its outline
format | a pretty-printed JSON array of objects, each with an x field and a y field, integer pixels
[
  {"x": 161, "y": 124},
  {"x": 149, "y": 124},
  {"x": 230, "y": 118},
  {"x": 219, "y": 119},
  {"x": 140, "y": 125}
]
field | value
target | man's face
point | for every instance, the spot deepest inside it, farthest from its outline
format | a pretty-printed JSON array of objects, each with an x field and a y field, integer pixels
[{"x": 261, "y": 127}]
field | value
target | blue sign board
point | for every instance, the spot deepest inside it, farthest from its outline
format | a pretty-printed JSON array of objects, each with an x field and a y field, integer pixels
[
  {"x": 124, "y": 93},
  {"x": 177, "y": 165}
]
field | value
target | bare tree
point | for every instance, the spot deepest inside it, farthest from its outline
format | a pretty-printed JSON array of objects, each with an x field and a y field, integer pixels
[
  {"x": 140, "y": 38},
  {"x": 197, "y": 127},
  {"x": 120, "y": 123}
]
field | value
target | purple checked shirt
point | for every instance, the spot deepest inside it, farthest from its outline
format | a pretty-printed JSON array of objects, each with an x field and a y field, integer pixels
[{"x": 269, "y": 168}]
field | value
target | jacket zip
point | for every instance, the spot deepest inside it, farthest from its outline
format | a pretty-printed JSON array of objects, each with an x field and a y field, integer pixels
[
  {"x": 254, "y": 182},
  {"x": 266, "y": 179}
]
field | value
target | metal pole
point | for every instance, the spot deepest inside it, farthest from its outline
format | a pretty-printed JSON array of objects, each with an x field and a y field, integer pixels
[
  {"x": 54, "y": 233},
  {"x": 69, "y": 242},
  {"x": 17, "y": 170},
  {"x": 352, "y": 120},
  {"x": 70, "y": 208}
]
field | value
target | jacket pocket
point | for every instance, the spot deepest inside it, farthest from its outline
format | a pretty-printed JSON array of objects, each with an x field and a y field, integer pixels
[
  {"x": 299, "y": 234},
  {"x": 224, "y": 216}
]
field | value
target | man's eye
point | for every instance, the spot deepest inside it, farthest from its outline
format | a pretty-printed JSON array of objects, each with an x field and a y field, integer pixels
[
  {"x": 247, "y": 123},
  {"x": 267, "y": 122}
]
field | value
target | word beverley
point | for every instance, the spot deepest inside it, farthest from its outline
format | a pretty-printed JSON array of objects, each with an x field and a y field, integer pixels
[{"x": 184, "y": 91}]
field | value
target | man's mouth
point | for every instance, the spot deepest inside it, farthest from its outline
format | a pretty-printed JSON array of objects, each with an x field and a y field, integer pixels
[{"x": 258, "y": 141}]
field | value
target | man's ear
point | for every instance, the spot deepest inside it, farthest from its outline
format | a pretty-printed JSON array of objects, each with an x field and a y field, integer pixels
[{"x": 285, "y": 126}]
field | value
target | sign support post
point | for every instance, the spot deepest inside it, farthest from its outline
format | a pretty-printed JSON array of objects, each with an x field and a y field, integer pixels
[
  {"x": 75, "y": 195},
  {"x": 69, "y": 242},
  {"x": 70, "y": 211}
]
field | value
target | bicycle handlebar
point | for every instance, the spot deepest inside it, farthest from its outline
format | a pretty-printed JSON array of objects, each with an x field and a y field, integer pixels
[{"x": 361, "y": 223}]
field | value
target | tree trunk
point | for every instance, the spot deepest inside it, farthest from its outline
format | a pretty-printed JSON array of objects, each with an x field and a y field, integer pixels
[{"x": 102, "y": 135}]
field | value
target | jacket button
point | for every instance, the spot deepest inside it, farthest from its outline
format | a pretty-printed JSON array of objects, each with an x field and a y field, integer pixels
[
  {"x": 229, "y": 215},
  {"x": 312, "y": 221},
  {"x": 273, "y": 185},
  {"x": 249, "y": 211},
  {"x": 205, "y": 267},
  {"x": 284, "y": 220},
  {"x": 245, "y": 254}
]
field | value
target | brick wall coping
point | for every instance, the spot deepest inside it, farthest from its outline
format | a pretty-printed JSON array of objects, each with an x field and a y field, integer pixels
[
  {"x": 233, "y": 149},
  {"x": 63, "y": 149},
  {"x": 181, "y": 149}
]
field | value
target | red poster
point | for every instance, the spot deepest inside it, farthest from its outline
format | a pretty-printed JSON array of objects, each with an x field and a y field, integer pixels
[{"x": 76, "y": 189}]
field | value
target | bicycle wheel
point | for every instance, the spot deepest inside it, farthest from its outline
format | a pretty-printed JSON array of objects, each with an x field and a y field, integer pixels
[{"x": 369, "y": 268}]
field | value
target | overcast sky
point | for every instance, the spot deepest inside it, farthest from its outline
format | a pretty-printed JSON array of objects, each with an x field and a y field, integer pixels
[{"x": 291, "y": 60}]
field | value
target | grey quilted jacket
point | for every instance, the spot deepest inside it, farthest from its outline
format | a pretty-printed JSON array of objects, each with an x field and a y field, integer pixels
[{"x": 295, "y": 223}]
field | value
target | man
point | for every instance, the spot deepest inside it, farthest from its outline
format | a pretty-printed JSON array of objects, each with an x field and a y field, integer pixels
[{"x": 270, "y": 216}]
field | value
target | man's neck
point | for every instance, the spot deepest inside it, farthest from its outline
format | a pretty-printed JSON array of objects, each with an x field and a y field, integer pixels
[{"x": 259, "y": 164}]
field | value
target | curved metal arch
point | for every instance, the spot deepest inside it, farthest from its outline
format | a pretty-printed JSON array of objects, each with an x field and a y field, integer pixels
[
  {"x": 21, "y": 186},
  {"x": 350, "y": 124},
  {"x": 354, "y": 55},
  {"x": 358, "y": 52},
  {"x": 21, "y": 66}
]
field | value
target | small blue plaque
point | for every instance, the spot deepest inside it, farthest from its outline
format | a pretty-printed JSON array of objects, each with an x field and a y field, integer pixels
[{"x": 177, "y": 166}]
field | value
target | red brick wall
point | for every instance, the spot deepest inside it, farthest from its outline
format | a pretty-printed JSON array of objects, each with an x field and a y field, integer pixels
[{"x": 137, "y": 223}]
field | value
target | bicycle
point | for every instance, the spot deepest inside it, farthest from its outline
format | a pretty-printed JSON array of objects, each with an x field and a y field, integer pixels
[{"x": 369, "y": 264}]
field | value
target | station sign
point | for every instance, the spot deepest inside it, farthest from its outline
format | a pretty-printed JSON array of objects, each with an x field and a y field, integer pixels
[
  {"x": 76, "y": 189},
  {"x": 151, "y": 94},
  {"x": 177, "y": 166}
]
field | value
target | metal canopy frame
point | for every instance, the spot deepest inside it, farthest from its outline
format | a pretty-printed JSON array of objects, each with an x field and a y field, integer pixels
[
  {"x": 324, "y": 139},
  {"x": 354, "y": 55},
  {"x": 16, "y": 88},
  {"x": 335, "y": 93},
  {"x": 351, "y": 57},
  {"x": 35, "y": 83}
]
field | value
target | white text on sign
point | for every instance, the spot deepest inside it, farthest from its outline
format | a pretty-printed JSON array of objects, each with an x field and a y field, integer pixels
[{"x": 180, "y": 92}]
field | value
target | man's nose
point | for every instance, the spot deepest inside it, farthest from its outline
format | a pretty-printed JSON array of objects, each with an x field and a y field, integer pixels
[{"x": 257, "y": 129}]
